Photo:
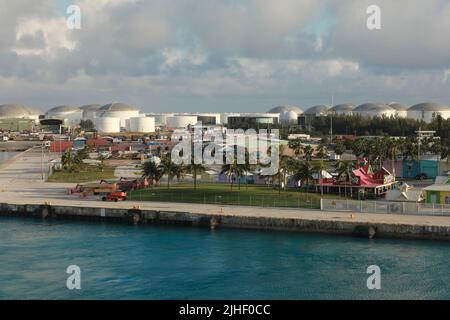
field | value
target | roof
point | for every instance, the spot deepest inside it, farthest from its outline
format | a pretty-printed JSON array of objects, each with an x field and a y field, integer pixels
[
  {"x": 343, "y": 107},
  {"x": 17, "y": 110},
  {"x": 429, "y": 106},
  {"x": 318, "y": 109},
  {"x": 373, "y": 107},
  {"x": 408, "y": 195},
  {"x": 280, "y": 109},
  {"x": 438, "y": 187},
  {"x": 90, "y": 107},
  {"x": 64, "y": 108},
  {"x": 398, "y": 106},
  {"x": 118, "y": 106}
]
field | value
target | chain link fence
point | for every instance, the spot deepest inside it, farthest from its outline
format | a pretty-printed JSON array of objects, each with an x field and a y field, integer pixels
[
  {"x": 235, "y": 199},
  {"x": 389, "y": 207}
]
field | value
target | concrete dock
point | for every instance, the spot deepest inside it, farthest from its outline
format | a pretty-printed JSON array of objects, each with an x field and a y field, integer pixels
[{"x": 20, "y": 196}]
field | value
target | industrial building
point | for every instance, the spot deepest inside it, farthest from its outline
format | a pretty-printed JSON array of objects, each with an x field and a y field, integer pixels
[
  {"x": 374, "y": 110},
  {"x": 428, "y": 111},
  {"x": 253, "y": 120}
]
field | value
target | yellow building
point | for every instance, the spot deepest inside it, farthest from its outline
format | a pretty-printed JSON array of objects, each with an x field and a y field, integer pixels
[{"x": 438, "y": 193}]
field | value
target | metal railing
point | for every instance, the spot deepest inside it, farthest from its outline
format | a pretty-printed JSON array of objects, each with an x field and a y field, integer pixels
[
  {"x": 386, "y": 207},
  {"x": 234, "y": 199}
]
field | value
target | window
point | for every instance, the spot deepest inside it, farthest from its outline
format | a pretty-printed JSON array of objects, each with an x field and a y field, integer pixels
[{"x": 447, "y": 200}]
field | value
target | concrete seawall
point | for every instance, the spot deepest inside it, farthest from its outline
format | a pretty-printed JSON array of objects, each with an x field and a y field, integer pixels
[{"x": 228, "y": 220}]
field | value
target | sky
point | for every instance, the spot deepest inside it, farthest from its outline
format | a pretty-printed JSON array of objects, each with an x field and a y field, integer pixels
[{"x": 223, "y": 55}]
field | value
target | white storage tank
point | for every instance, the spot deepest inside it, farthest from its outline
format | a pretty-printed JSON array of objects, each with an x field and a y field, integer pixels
[
  {"x": 428, "y": 111},
  {"x": 181, "y": 121},
  {"x": 289, "y": 118},
  {"x": 89, "y": 111},
  {"x": 374, "y": 110},
  {"x": 118, "y": 110},
  {"x": 345, "y": 109},
  {"x": 142, "y": 124},
  {"x": 107, "y": 124},
  {"x": 70, "y": 114},
  {"x": 401, "y": 110}
]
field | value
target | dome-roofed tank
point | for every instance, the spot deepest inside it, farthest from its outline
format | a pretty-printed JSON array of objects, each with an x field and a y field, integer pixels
[
  {"x": 427, "y": 111},
  {"x": 400, "y": 109},
  {"x": 281, "y": 109},
  {"x": 374, "y": 110},
  {"x": 18, "y": 111},
  {"x": 70, "y": 114},
  {"x": 90, "y": 111},
  {"x": 119, "y": 110},
  {"x": 317, "y": 110},
  {"x": 343, "y": 109},
  {"x": 289, "y": 118}
]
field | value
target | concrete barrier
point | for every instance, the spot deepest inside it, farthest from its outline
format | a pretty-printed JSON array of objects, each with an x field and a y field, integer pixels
[{"x": 214, "y": 221}]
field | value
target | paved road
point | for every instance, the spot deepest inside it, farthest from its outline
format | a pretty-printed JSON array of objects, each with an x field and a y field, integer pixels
[{"x": 20, "y": 183}]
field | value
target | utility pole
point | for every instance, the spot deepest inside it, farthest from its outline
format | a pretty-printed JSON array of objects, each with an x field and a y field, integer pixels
[{"x": 331, "y": 119}]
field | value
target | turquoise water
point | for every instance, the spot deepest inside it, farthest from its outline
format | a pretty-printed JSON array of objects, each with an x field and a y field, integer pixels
[{"x": 159, "y": 262}]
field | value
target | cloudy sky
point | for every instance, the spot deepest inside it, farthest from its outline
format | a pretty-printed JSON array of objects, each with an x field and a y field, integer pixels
[{"x": 223, "y": 55}]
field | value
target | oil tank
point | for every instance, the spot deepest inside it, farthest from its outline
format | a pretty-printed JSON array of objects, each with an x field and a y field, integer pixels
[{"x": 142, "y": 124}]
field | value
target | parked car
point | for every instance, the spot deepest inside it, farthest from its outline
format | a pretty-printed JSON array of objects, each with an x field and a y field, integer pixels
[{"x": 421, "y": 176}]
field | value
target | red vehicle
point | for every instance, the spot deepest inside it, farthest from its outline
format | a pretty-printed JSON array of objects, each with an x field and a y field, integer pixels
[{"x": 115, "y": 196}]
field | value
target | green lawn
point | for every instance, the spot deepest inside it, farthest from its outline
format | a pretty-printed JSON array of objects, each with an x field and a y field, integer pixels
[
  {"x": 85, "y": 175},
  {"x": 222, "y": 194}
]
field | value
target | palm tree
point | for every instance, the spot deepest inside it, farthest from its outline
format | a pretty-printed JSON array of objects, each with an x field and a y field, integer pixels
[
  {"x": 152, "y": 171},
  {"x": 195, "y": 169},
  {"x": 304, "y": 173},
  {"x": 308, "y": 152},
  {"x": 296, "y": 145},
  {"x": 345, "y": 170},
  {"x": 322, "y": 152},
  {"x": 170, "y": 169},
  {"x": 319, "y": 167},
  {"x": 230, "y": 170}
]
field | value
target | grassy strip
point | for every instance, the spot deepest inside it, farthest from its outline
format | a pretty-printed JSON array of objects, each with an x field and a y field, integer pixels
[
  {"x": 222, "y": 194},
  {"x": 85, "y": 175}
]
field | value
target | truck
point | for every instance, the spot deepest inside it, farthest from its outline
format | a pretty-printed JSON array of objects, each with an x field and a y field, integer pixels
[{"x": 115, "y": 196}]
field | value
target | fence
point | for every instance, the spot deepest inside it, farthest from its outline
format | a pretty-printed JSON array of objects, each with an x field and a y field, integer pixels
[
  {"x": 235, "y": 199},
  {"x": 389, "y": 207}
]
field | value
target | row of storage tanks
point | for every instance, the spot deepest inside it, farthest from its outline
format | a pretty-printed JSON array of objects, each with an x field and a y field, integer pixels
[
  {"x": 422, "y": 111},
  {"x": 116, "y": 116}
]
